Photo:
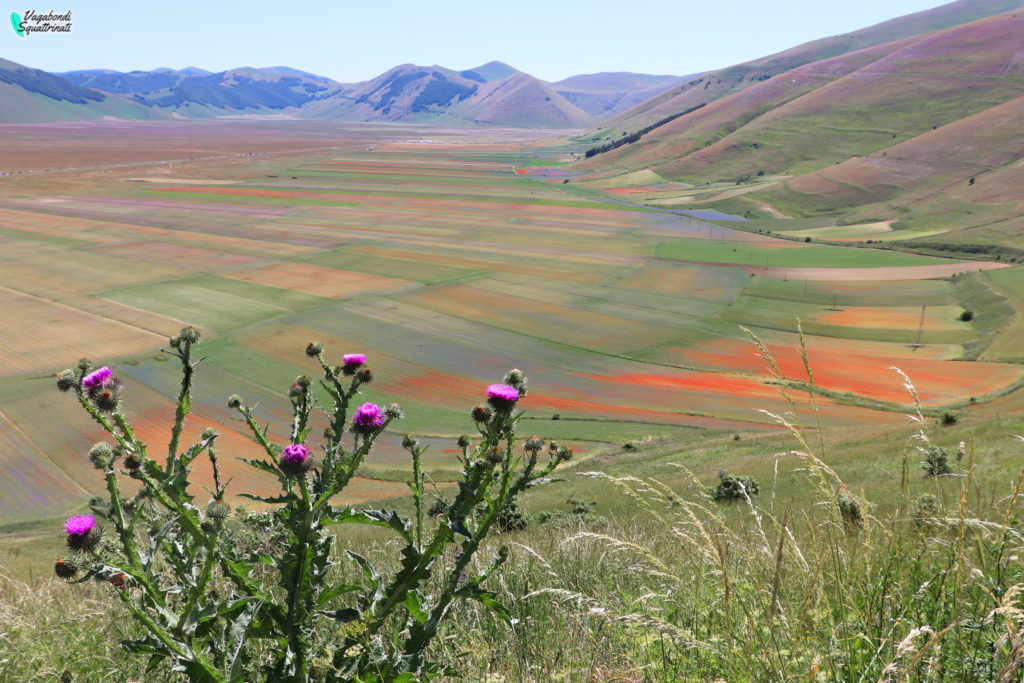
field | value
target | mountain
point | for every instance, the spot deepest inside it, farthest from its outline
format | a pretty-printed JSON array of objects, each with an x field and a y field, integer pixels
[
  {"x": 194, "y": 92},
  {"x": 608, "y": 93},
  {"x": 493, "y": 93},
  {"x": 30, "y": 95},
  {"x": 411, "y": 93},
  {"x": 924, "y": 129}
]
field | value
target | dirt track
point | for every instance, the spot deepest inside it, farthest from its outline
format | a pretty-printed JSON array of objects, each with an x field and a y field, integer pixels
[{"x": 939, "y": 270}]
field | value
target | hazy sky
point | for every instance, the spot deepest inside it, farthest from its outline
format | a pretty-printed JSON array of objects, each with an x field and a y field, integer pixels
[{"x": 352, "y": 40}]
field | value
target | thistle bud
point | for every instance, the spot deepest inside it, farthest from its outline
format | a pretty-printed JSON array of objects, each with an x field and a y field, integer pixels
[
  {"x": 132, "y": 462},
  {"x": 101, "y": 455},
  {"x": 303, "y": 381},
  {"x": 329, "y": 433},
  {"x": 394, "y": 411},
  {"x": 67, "y": 380},
  {"x": 314, "y": 349},
  {"x": 564, "y": 453},
  {"x": 365, "y": 375},
  {"x": 234, "y": 401},
  {"x": 463, "y": 441},
  {"x": 481, "y": 414},
  {"x": 66, "y": 567},
  {"x": 533, "y": 445},
  {"x": 218, "y": 509},
  {"x": 209, "y": 433},
  {"x": 410, "y": 441},
  {"x": 84, "y": 364},
  {"x": 107, "y": 399},
  {"x": 516, "y": 378},
  {"x": 174, "y": 342},
  {"x": 295, "y": 391},
  {"x": 189, "y": 335},
  {"x": 493, "y": 455}
]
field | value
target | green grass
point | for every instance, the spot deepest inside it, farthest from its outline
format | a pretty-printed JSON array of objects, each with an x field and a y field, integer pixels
[
  {"x": 908, "y": 293},
  {"x": 213, "y": 302}
]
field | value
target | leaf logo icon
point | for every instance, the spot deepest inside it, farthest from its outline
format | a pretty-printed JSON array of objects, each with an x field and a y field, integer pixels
[{"x": 16, "y": 23}]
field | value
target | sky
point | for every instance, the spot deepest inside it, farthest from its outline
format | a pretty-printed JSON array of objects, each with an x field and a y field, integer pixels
[{"x": 356, "y": 40}]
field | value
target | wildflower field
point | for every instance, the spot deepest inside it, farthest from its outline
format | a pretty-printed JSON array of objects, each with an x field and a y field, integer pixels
[{"x": 449, "y": 257}]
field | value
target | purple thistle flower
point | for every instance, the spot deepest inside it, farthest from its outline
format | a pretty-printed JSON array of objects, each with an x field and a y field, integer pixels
[
  {"x": 502, "y": 396},
  {"x": 295, "y": 454},
  {"x": 367, "y": 419},
  {"x": 82, "y": 532},
  {"x": 352, "y": 362},
  {"x": 295, "y": 459},
  {"x": 80, "y": 525},
  {"x": 96, "y": 378}
]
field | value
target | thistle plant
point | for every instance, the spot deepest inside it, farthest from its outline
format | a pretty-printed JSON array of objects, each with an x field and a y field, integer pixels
[{"x": 218, "y": 608}]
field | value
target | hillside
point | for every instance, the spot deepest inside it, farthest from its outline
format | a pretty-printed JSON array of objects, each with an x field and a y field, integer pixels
[
  {"x": 885, "y": 132},
  {"x": 718, "y": 84},
  {"x": 30, "y": 95}
]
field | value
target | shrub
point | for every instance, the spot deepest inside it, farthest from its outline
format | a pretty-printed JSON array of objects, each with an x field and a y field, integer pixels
[
  {"x": 580, "y": 512},
  {"x": 967, "y": 316},
  {"x": 732, "y": 487},
  {"x": 255, "y": 597},
  {"x": 936, "y": 461},
  {"x": 849, "y": 510},
  {"x": 949, "y": 418},
  {"x": 925, "y": 510}
]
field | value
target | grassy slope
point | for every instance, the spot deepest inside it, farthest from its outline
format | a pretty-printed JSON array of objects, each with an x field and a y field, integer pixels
[
  {"x": 743, "y": 76},
  {"x": 17, "y": 105}
]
